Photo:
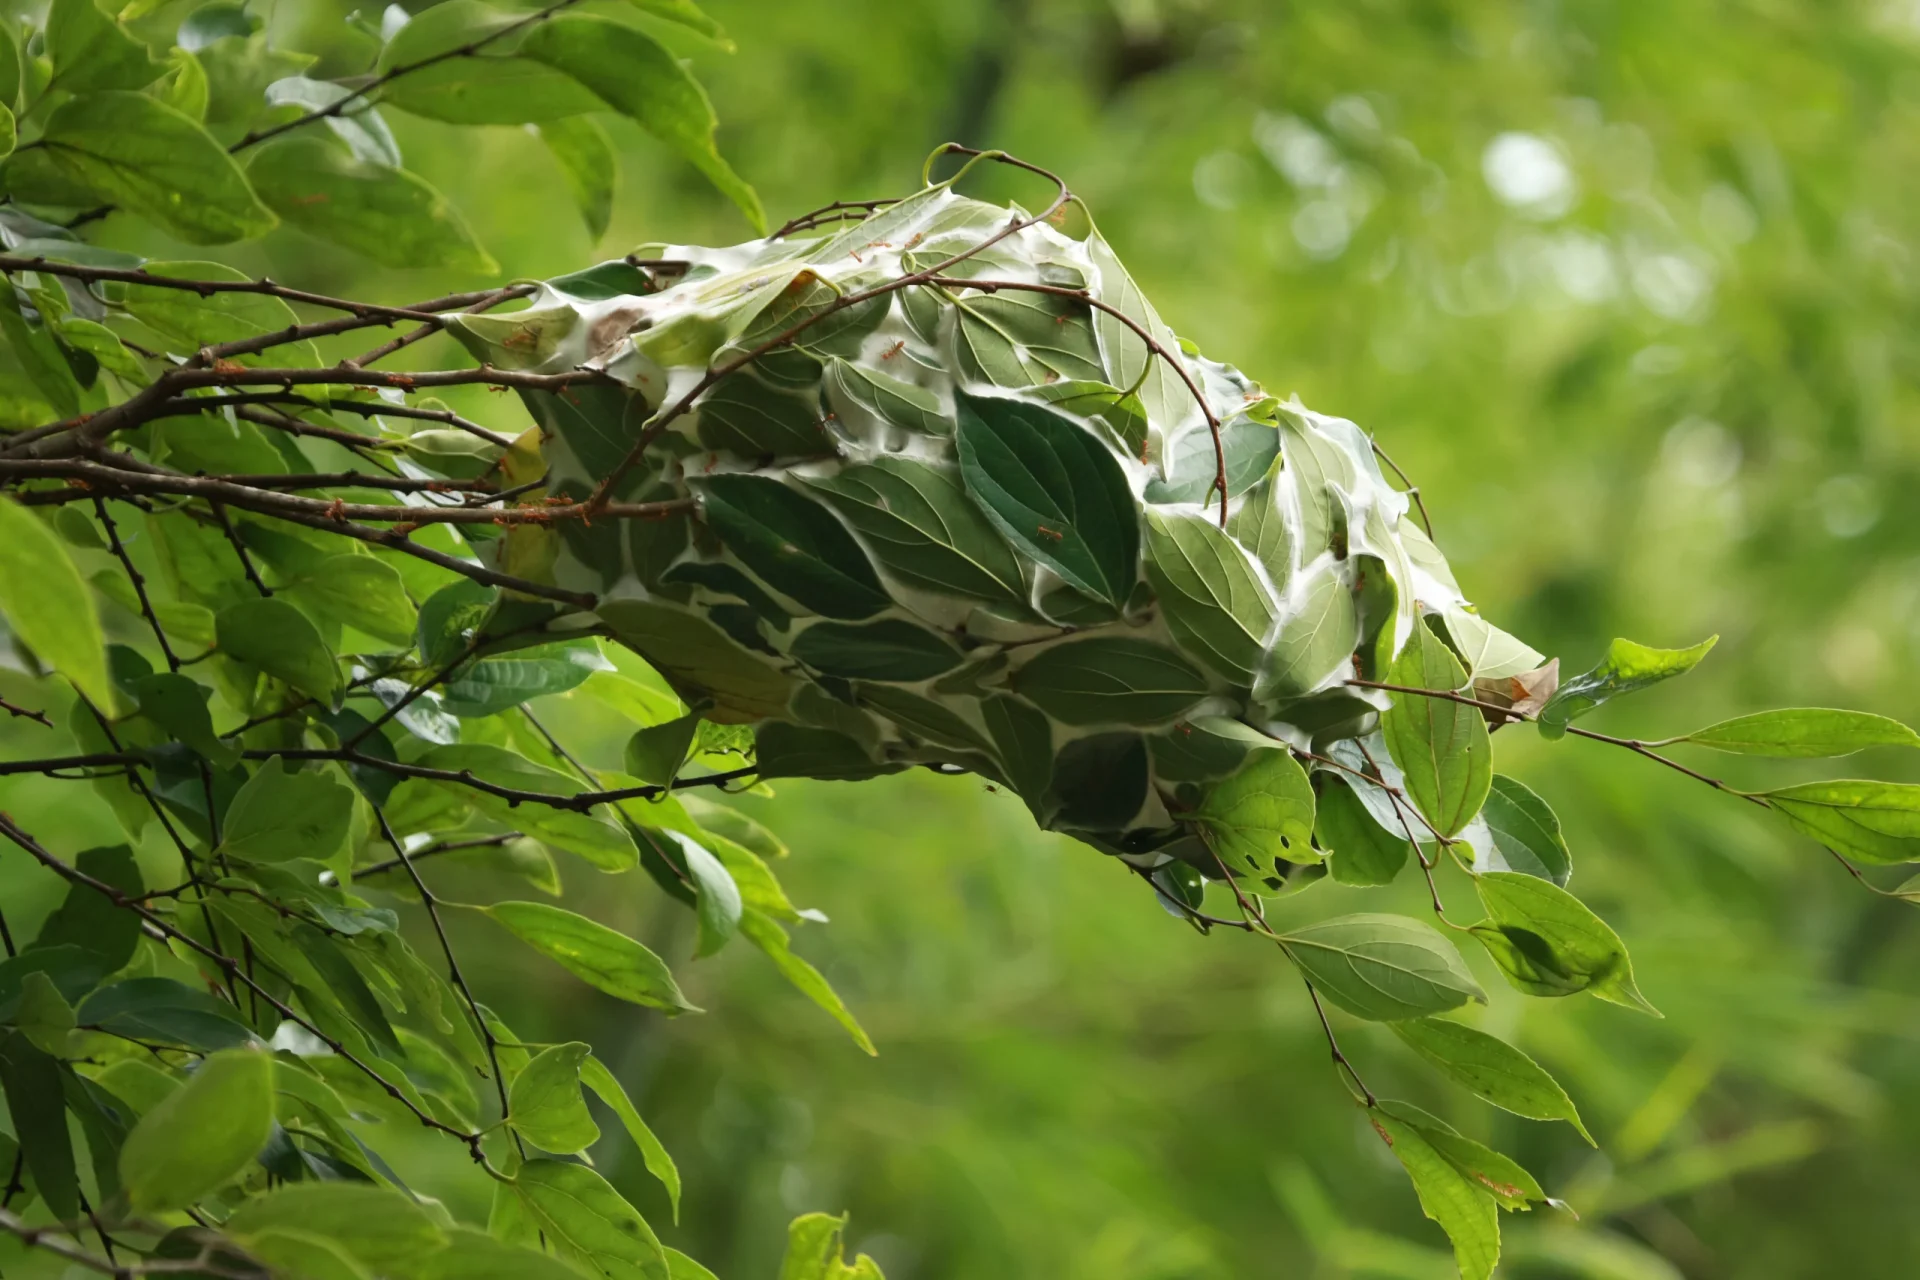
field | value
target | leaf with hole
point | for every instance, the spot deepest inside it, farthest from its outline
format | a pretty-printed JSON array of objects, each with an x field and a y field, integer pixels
[{"x": 1261, "y": 816}]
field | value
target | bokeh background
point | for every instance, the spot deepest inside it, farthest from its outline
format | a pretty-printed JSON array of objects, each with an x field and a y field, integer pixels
[{"x": 1629, "y": 288}]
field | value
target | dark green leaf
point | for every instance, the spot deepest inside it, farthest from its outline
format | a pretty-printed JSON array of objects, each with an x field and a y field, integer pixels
[
  {"x": 1626, "y": 668},
  {"x": 1381, "y": 967},
  {"x": 793, "y": 544},
  {"x": 160, "y": 1010},
  {"x": 277, "y": 638},
  {"x": 201, "y": 1137},
  {"x": 47, "y": 605},
  {"x": 640, "y": 79},
  {"x": 891, "y": 649},
  {"x": 594, "y": 953},
  {"x": 864, "y": 398},
  {"x": 154, "y": 161},
  {"x": 748, "y": 415},
  {"x": 1526, "y": 833},
  {"x": 1019, "y": 339},
  {"x": 492, "y": 685},
  {"x": 34, "y": 1089},
  {"x": 280, "y": 815},
  {"x": 88, "y": 919},
  {"x": 1491, "y": 1069},
  {"x": 718, "y": 904},
  {"x": 388, "y": 214},
  {"x": 1192, "y": 465},
  {"x": 74, "y": 971},
  {"x": 1442, "y": 746},
  {"x": 1260, "y": 817},
  {"x": 1549, "y": 943},
  {"x": 1110, "y": 680},
  {"x": 1803, "y": 732},
  {"x": 1875, "y": 822},
  {"x": 33, "y": 346},
  {"x": 654, "y": 754},
  {"x": 1359, "y": 850},
  {"x": 1055, "y": 490},
  {"x": 546, "y": 1106},
  {"x": 1215, "y": 604},
  {"x": 178, "y": 707},
  {"x": 925, "y": 530},
  {"x": 581, "y": 1214}
]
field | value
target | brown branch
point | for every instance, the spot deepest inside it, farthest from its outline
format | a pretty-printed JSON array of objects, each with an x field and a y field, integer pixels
[
  {"x": 485, "y": 303},
  {"x": 436, "y": 848},
  {"x": 22, "y": 713},
  {"x": 838, "y": 211},
  {"x": 359, "y": 408}
]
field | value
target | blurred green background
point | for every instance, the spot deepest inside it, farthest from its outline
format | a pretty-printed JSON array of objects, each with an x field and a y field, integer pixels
[{"x": 1629, "y": 288}]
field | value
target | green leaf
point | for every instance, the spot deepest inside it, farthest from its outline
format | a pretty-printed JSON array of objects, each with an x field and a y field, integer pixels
[
  {"x": 1260, "y": 817},
  {"x": 1192, "y": 465},
  {"x": 382, "y": 212},
  {"x": 864, "y": 397},
  {"x": 585, "y": 156},
  {"x": 654, "y": 754},
  {"x": 1802, "y": 733},
  {"x": 688, "y": 15},
  {"x": 1491, "y": 1069},
  {"x": 91, "y": 51},
  {"x": 1628, "y": 667},
  {"x": 595, "y": 954},
  {"x": 44, "y": 1016},
  {"x": 595, "y": 1075},
  {"x": 494, "y": 88},
  {"x": 149, "y": 158},
  {"x": 1054, "y": 490},
  {"x": 279, "y": 816},
  {"x": 718, "y": 905},
  {"x": 88, "y": 919},
  {"x": 380, "y": 1227},
  {"x": 1215, "y": 604},
  {"x": 203, "y": 1136},
  {"x": 9, "y": 132},
  {"x": 1317, "y": 635},
  {"x": 295, "y": 1252},
  {"x": 815, "y": 1252},
  {"x": 1549, "y": 943},
  {"x": 1876, "y": 822},
  {"x": 1467, "y": 1212},
  {"x": 545, "y": 1104},
  {"x": 1129, "y": 360},
  {"x": 191, "y": 321},
  {"x": 34, "y": 347},
  {"x": 924, "y": 529},
  {"x": 1110, "y": 680},
  {"x": 1442, "y": 746},
  {"x": 48, "y": 606},
  {"x": 178, "y": 707},
  {"x": 1526, "y": 833},
  {"x": 361, "y": 591},
  {"x": 581, "y": 1214},
  {"x": 1488, "y": 652},
  {"x": 492, "y": 685},
  {"x": 599, "y": 839},
  {"x": 765, "y": 933},
  {"x": 794, "y": 545},
  {"x": 1359, "y": 850},
  {"x": 891, "y": 649},
  {"x": 277, "y": 638},
  {"x": 163, "y": 1011},
  {"x": 1021, "y": 339},
  {"x": 637, "y": 77},
  {"x": 475, "y": 1255},
  {"x": 1381, "y": 967},
  {"x": 33, "y": 1082}
]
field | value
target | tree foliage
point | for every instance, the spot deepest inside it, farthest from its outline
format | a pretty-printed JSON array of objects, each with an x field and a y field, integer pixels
[{"x": 917, "y": 482}]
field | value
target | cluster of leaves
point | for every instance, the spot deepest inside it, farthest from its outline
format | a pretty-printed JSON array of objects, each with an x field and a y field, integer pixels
[
  {"x": 935, "y": 489},
  {"x": 196, "y": 124}
]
